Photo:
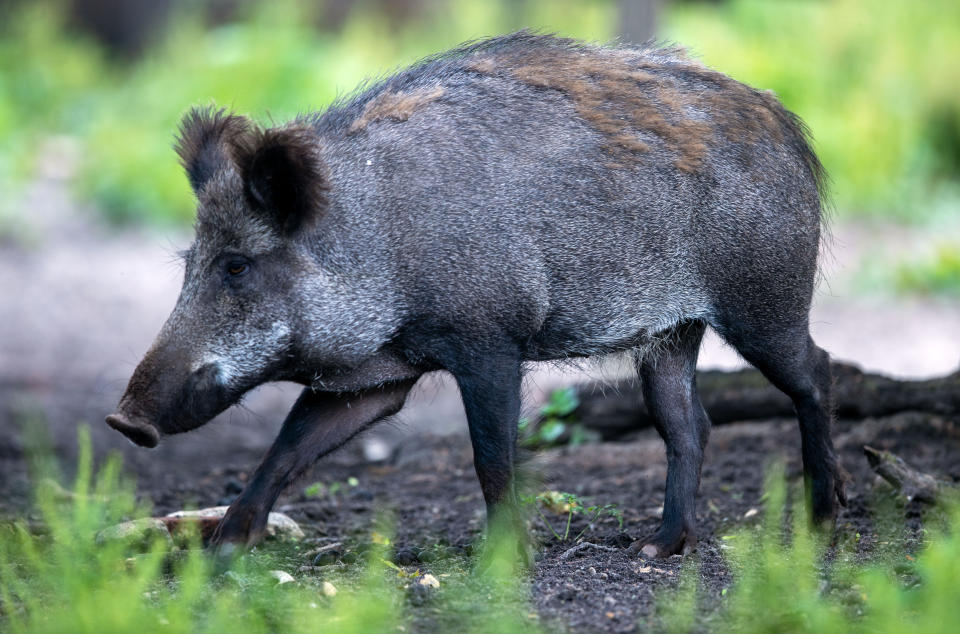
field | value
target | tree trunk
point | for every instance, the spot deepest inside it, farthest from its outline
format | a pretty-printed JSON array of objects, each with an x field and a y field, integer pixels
[{"x": 638, "y": 20}]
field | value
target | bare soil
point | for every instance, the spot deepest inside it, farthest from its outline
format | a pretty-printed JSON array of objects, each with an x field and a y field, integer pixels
[{"x": 428, "y": 485}]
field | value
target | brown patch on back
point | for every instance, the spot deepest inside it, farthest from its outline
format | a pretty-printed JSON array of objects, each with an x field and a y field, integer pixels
[
  {"x": 621, "y": 93},
  {"x": 483, "y": 65},
  {"x": 395, "y": 105}
]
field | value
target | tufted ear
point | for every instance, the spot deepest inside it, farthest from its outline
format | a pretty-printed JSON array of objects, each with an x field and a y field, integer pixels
[
  {"x": 201, "y": 142},
  {"x": 282, "y": 174}
]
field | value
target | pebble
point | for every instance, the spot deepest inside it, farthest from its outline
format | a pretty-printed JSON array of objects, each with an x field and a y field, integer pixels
[
  {"x": 429, "y": 580},
  {"x": 282, "y": 577},
  {"x": 328, "y": 589},
  {"x": 376, "y": 449},
  {"x": 749, "y": 514},
  {"x": 279, "y": 526}
]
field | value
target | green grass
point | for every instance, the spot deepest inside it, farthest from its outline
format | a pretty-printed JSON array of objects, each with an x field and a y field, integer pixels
[
  {"x": 55, "y": 576},
  {"x": 875, "y": 81},
  {"x": 784, "y": 580}
]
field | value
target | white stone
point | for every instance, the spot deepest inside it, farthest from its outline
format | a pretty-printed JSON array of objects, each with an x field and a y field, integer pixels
[
  {"x": 429, "y": 580},
  {"x": 282, "y": 577}
]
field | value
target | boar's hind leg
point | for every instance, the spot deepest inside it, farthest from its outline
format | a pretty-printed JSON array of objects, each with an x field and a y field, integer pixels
[
  {"x": 668, "y": 376},
  {"x": 790, "y": 360},
  {"x": 319, "y": 423},
  {"x": 490, "y": 387}
]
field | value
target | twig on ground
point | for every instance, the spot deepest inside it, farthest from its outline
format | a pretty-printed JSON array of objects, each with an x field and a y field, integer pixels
[
  {"x": 582, "y": 546},
  {"x": 913, "y": 484}
]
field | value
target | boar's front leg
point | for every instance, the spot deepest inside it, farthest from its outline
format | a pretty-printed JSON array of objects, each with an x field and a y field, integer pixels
[
  {"x": 319, "y": 423},
  {"x": 489, "y": 385}
]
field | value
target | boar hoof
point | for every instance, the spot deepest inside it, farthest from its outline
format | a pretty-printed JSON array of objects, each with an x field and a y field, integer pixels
[
  {"x": 650, "y": 549},
  {"x": 137, "y": 430}
]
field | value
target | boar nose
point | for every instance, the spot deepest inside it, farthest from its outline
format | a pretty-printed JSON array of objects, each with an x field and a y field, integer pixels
[{"x": 135, "y": 428}]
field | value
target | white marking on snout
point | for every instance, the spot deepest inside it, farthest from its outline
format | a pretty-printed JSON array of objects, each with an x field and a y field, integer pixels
[{"x": 235, "y": 359}]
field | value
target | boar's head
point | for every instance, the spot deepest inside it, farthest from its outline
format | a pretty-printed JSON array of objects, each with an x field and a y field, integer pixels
[{"x": 260, "y": 195}]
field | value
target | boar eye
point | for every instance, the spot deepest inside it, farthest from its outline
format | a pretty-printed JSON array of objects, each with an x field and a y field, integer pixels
[{"x": 237, "y": 267}]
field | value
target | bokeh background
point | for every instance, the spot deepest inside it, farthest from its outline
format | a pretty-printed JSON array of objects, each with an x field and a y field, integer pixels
[
  {"x": 876, "y": 80},
  {"x": 93, "y": 205}
]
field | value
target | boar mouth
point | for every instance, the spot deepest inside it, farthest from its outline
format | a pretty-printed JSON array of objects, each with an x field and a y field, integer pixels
[{"x": 135, "y": 428}]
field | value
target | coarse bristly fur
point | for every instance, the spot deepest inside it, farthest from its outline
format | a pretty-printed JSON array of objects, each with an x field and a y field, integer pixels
[
  {"x": 520, "y": 198},
  {"x": 201, "y": 134},
  {"x": 282, "y": 173}
]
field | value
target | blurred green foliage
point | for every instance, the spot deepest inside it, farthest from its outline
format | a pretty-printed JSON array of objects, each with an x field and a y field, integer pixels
[
  {"x": 271, "y": 63},
  {"x": 937, "y": 274},
  {"x": 556, "y": 423},
  {"x": 876, "y": 81}
]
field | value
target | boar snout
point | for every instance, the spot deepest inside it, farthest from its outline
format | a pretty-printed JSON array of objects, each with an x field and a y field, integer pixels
[
  {"x": 135, "y": 428},
  {"x": 160, "y": 401}
]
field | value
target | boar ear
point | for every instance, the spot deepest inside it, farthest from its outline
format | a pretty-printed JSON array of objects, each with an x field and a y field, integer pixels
[
  {"x": 201, "y": 142},
  {"x": 282, "y": 174}
]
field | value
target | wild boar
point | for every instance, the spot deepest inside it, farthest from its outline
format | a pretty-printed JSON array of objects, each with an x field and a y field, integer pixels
[{"x": 521, "y": 198}]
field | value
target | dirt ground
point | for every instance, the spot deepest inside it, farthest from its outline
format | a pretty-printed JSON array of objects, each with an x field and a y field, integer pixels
[
  {"x": 80, "y": 305},
  {"x": 428, "y": 485}
]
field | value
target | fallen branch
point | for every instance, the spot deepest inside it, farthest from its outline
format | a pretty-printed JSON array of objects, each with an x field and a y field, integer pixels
[
  {"x": 747, "y": 395},
  {"x": 913, "y": 484}
]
